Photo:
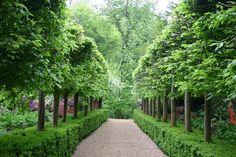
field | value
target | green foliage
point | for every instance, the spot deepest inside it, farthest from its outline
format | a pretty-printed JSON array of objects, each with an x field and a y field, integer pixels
[
  {"x": 138, "y": 25},
  {"x": 90, "y": 68},
  {"x": 100, "y": 28},
  {"x": 10, "y": 121},
  {"x": 61, "y": 141},
  {"x": 33, "y": 41},
  {"x": 196, "y": 51},
  {"x": 40, "y": 46},
  {"x": 174, "y": 142}
]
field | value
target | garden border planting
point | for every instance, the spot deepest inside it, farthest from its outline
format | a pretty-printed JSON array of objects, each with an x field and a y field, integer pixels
[
  {"x": 60, "y": 141},
  {"x": 176, "y": 143}
]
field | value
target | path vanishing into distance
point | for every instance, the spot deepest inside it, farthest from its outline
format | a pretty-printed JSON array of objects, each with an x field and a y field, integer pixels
[{"x": 118, "y": 138}]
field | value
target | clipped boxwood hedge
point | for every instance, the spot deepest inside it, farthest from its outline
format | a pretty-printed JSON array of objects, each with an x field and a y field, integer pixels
[
  {"x": 175, "y": 143},
  {"x": 53, "y": 142}
]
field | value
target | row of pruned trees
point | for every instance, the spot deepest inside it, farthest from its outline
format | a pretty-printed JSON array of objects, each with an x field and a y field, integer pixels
[
  {"x": 43, "y": 50},
  {"x": 194, "y": 56}
]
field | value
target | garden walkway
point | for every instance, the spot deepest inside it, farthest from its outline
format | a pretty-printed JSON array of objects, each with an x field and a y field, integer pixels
[{"x": 118, "y": 138}]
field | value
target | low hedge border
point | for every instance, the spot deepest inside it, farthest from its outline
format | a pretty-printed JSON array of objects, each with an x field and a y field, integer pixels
[
  {"x": 53, "y": 142},
  {"x": 175, "y": 143}
]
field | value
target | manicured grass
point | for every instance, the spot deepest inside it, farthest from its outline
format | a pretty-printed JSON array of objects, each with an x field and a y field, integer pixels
[
  {"x": 53, "y": 142},
  {"x": 176, "y": 143}
]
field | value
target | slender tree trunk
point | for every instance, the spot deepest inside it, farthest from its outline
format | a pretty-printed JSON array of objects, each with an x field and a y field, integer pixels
[
  {"x": 65, "y": 106},
  {"x": 86, "y": 108},
  {"x": 41, "y": 112},
  {"x": 154, "y": 107},
  {"x": 147, "y": 106},
  {"x": 165, "y": 106},
  {"x": 80, "y": 106},
  {"x": 144, "y": 105},
  {"x": 56, "y": 96},
  {"x": 76, "y": 98},
  {"x": 150, "y": 107},
  {"x": 95, "y": 104},
  {"x": 91, "y": 103},
  {"x": 151, "y": 102},
  {"x": 100, "y": 103},
  {"x": 187, "y": 104},
  {"x": 173, "y": 106},
  {"x": 207, "y": 119},
  {"x": 158, "y": 107}
]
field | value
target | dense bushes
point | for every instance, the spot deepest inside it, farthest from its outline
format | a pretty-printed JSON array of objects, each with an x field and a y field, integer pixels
[
  {"x": 11, "y": 121},
  {"x": 59, "y": 142},
  {"x": 176, "y": 143}
]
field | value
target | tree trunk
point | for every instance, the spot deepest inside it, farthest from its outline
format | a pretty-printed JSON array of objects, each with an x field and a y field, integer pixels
[
  {"x": 76, "y": 98},
  {"x": 65, "y": 106},
  {"x": 141, "y": 105},
  {"x": 173, "y": 106},
  {"x": 150, "y": 107},
  {"x": 80, "y": 106},
  {"x": 56, "y": 96},
  {"x": 100, "y": 103},
  {"x": 144, "y": 105},
  {"x": 207, "y": 119},
  {"x": 41, "y": 112},
  {"x": 91, "y": 104},
  {"x": 154, "y": 107},
  {"x": 85, "y": 110},
  {"x": 165, "y": 106},
  {"x": 158, "y": 108},
  {"x": 187, "y": 104}
]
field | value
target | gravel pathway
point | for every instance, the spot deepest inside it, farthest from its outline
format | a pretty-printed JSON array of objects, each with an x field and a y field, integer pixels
[{"x": 118, "y": 138}]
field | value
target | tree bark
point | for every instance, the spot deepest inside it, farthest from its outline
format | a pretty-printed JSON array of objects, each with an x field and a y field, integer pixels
[
  {"x": 158, "y": 108},
  {"x": 207, "y": 119},
  {"x": 187, "y": 104},
  {"x": 86, "y": 108},
  {"x": 76, "y": 98},
  {"x": 147, "y": 106},
  {"x": 91, "y": 104},
  {"x": 153, "y": 107},
  {"x": 144, "y": 105},
  {"x": 150, "y": 105},
  {"x": 173, "y": 106},
  {"x": 56, "y": 96},
  {"x": 100, "y": 103},
  {"x": 80, "y": 106},
  {"x": 165, "y": 106},
  {"x": 95, "y": 104},
  {"x": 41, "y": 112},
  {"x": 65, "y": 106}
]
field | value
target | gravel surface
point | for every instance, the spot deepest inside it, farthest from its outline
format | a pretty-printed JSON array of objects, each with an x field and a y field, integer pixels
[{"x": 118, "y": 138}]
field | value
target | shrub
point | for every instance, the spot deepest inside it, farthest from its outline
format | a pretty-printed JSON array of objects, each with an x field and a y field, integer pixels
[
  {"x": 175, "y": 143},
  {"x": 53, "y": 142},
  {"x": 11, "y": 121}
]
